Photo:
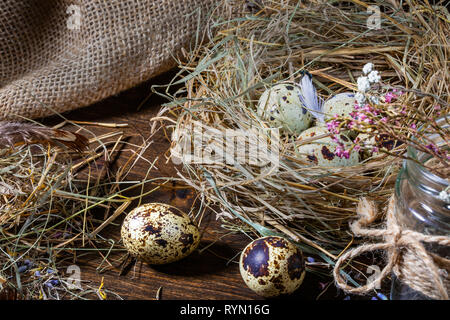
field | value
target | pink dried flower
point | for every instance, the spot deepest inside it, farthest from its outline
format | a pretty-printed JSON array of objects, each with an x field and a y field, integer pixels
[
  {"x": 333, "y": 126},
  {"x": 399, "y": 92},
  {"x": 432, "y": 147},
  {"x": 367, "y": 108},
  {"x": 389, "y": 97},
  {"x": 341, "y": 152},
  {"x": 368, "y": 120}
]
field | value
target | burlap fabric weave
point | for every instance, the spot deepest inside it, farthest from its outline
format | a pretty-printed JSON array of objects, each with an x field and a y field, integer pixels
[{"x": 60, "y": 55}]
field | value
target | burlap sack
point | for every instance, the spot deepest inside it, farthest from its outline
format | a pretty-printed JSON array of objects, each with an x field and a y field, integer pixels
[{"x": 61, "y": 55}]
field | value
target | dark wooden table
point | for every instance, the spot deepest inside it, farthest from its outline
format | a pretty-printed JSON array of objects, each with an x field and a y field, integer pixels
[{"x": 211, "y": 274}]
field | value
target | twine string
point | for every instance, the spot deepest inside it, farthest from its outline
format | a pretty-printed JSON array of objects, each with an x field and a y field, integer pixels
[{"x": 407, "y": 257}]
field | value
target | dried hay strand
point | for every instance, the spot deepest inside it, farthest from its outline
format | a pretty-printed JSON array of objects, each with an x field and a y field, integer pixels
[{"x": 273, "y": 41}]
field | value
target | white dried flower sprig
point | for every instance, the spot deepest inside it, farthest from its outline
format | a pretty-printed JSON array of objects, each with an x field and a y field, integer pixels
[
  {"x": 374, "y": 77},
  {"x": 365, "y": 82},
  {"x": 368, "y": 67}
]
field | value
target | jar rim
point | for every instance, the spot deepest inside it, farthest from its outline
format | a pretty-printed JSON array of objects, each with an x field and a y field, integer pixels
[{"x": 412, "y": 153}]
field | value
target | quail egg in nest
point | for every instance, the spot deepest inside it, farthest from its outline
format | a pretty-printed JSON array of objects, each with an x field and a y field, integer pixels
[
  {"x": 281, "y": 106},
  {"x": 341, "y": 104},
  {"x": 272, "y": 266},
  {"x": 157, "y": 233},
  {"x": 322, "y": 152}
]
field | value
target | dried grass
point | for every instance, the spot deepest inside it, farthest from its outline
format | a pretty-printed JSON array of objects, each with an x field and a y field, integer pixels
[
  {"x": 222, "y": 81},
  {"x": 54, "y": 203}
]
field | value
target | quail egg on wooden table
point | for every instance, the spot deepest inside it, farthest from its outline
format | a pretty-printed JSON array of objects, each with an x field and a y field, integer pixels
[
  {"x": 272, "y": 266},
  {"x": 157, "y": 233},
  {"x": 321, "y": 152},
  {"x": 341, "y": 104},
  {"x": 281, "y": 106}
]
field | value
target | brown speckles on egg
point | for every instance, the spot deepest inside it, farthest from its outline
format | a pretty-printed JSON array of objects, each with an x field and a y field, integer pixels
[
  {"x": 276, "y": 264},
  {"x": 312, "y": 158},
  {"x": 152, "y": 230},
  {"x": 276, "y": 242},
  {"x": 278, "y": 283},
  {"x": 186, "y": 239},
  {"x": 267, "y": 268},
  {"x": 161, "y": 242},
  {"x": 158, "y": 233},
  {"x": 344, "y": 138},
  {"x": 327, "y": 154}
]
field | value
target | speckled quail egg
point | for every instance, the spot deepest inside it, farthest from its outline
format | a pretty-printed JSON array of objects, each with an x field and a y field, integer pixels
[
  {"x": 281, "y": 106},
  {"x": 373, "y": 144},
  {"x": 157, "y": 233},
  {"x": 341, "y": 104},
  {"x": 367, "y": 142},
  {"x": 321, "y": 152},
  {"x": 272, "y": 266},
  {"x": 372, "y": 148}
]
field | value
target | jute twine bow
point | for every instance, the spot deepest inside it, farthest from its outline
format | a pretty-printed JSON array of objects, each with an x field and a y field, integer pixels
[{"x": 407, "y": 257}]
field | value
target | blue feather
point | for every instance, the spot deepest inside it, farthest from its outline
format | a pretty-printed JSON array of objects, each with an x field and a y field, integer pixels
[{"x": 309, "y": 97}]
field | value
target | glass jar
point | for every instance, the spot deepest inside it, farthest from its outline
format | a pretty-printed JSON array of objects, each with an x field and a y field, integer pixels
[{"x": 419, "y": 208}]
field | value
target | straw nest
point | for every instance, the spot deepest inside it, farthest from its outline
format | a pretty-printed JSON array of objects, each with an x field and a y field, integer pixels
[{"x": 270, "y": 42}]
